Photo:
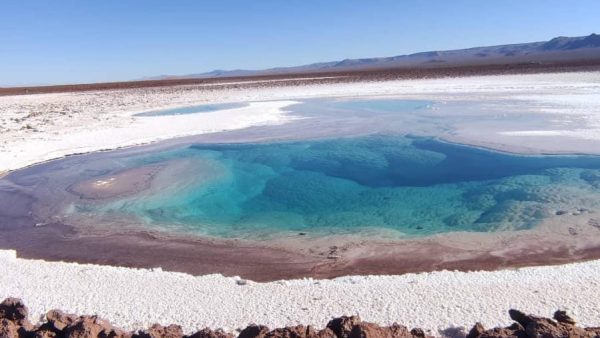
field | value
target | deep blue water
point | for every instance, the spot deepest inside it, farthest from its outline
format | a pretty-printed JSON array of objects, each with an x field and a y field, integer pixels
[
  {"x": 204, "y": 108},
  {"x": 372, "y": 184}
]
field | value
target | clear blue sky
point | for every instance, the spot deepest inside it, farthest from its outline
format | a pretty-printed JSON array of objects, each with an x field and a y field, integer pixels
[{"x": 53, "y": 41}]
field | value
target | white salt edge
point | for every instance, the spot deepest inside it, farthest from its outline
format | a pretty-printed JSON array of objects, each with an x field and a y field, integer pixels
[
  {"x": 68, "y": 123},
  {"x": 137, "y": 298}
]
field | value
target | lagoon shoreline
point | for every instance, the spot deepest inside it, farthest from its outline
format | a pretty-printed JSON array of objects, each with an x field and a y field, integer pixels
[
  {"x": 293, "y": 273},
  {"x": 572, "y": 239}
]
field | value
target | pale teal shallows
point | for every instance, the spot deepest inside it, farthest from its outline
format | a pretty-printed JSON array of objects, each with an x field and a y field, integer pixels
[{"x": 389, "y": 185}]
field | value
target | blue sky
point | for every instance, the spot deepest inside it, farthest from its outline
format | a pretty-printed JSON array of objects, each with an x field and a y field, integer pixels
[{"x": 43, "y": 42}]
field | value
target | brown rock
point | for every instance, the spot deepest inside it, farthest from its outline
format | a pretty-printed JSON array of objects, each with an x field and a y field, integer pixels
[
  {"x": 370, "y": 330},
  {"x": 542, "y": 327},
  {"x": 595, "y": 331},
  {"x": 88, "y": 327},
  {"x": 343, "y": 325},
  {"x": 562, "y": 317},
  {"x": 254, "y": 331},
  {"x": 545, "y": 328},
  {"x": 59, "y": 320},
  {"x": 311, "y": 332},
  {"x": 159, "y": 331},
  {"x": 116, "y": 333},
  {"x": 208, "y": 333},
  {"x": 476, "y": 331},
  {"x": 513, "y": 331},
  {"x": 8, "y": 329},
  {"x": 299, "y": 331},
  {"x": 14, "y": 310},
  {"x": 44, "y": 333}
]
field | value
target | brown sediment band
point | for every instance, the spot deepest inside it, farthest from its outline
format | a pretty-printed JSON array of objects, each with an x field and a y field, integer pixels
[
  {"x": 327, "y": 258},
  {"x": 14, "y": 323}
]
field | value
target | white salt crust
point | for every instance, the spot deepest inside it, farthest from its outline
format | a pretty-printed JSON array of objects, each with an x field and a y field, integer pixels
[
  {"x": 35, "y": 128},
  {"x": 137, "y": 298}
]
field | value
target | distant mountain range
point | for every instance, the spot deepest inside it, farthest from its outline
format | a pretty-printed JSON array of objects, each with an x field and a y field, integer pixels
[{"x": 555, "y": 50}]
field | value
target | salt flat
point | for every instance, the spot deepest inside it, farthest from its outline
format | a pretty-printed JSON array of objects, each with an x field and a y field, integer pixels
[
  {"x": 36, "y": 128},
  {"x": 137, "y": 298}
]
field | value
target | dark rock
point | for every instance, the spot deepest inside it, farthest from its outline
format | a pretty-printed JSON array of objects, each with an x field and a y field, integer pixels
[
  {"x": 159, "y": 331},
  {"x": 254, "y": 331},
  {"x": 519, "y": 317},
  {"x": 342, "y": 326},
  {"x": 14, "y": 310},
  {"x": 418, "y": 333},
  {"x": 562, "y": 317},
  {"x": 208, "y": 333},
  {"x": 476, "y": 331},
  {"x": 45, "y": 334}
]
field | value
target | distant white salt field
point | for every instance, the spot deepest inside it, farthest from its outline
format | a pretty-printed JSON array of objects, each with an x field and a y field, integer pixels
[{"x": 47, "y": 126}]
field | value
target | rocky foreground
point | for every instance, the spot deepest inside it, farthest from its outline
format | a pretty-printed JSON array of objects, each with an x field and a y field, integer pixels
[{"x": 14, "y": 323}]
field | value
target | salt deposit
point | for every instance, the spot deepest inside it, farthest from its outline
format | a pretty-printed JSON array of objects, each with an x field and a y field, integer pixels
[
  {"x": 35, "y": 128},
  {"x": 136, "y": 298}
]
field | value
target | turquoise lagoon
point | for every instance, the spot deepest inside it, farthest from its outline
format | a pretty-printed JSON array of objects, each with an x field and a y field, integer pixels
[{"x": 378, "y": 184}]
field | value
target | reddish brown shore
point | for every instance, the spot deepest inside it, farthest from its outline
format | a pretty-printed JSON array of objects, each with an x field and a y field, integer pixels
[
  {"x": 55, "y": 241},
  {"x": 268, "y": 262}
]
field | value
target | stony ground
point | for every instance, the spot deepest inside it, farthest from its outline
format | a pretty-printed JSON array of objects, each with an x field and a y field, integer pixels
[{"x": 14, "y": 323}]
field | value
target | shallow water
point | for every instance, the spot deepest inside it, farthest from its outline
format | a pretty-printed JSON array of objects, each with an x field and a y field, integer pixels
[
  {"x": 347, "y": 168},
  {"x": 379, "y": 184}
]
